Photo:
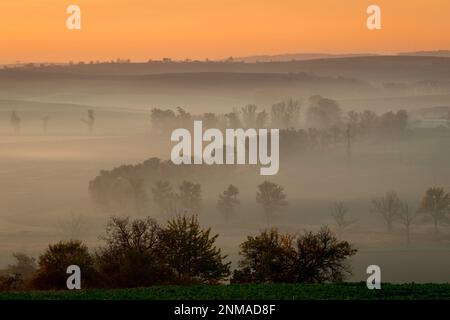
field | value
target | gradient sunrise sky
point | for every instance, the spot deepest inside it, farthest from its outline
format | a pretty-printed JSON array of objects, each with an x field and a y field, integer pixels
[{"x": 32, "y": 30}]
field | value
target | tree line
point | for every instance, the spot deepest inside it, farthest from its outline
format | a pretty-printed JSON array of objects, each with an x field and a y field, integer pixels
[{"x": 140, "y": 252}]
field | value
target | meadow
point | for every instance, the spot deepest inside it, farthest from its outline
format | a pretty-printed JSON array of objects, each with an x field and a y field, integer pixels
[{"x": 341, "y": 291}]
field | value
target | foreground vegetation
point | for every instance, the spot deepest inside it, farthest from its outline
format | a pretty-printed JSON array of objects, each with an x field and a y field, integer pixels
[{"x": 341, "y": 291}]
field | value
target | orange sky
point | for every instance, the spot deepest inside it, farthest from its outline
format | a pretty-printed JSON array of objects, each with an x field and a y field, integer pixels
[{"x": 32, "y": 30}]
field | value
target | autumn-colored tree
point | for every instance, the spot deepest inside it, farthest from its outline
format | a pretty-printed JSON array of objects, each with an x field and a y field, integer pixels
[
  {"x": 53, "y": 263},
  {"x": 311, "y": 258},
  {"x": 190, "y": 252},
  {"x": 267, "y": 257}
]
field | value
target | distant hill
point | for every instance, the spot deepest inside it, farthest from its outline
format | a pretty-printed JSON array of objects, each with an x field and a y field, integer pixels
[
  {"x": 437, "y": 53},
  {"x": 300, "y": 57}
]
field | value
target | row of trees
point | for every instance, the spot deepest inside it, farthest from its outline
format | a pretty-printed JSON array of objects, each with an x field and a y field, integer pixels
[
  {"x": 16, "y": 122},
  {"x": 322, "y": 114},
  {"x": 142, "y": 253},
  {"x": 434, "y": 206}
]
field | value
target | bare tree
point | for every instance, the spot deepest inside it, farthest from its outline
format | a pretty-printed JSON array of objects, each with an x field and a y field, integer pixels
[
  {"x": 407, "y": 217},
  {"x": 339, "y": 212},
  {"x": 388, "y": 208}
]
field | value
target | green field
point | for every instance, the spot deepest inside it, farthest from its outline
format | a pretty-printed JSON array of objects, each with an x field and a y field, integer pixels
[{"x": 347, "y": 291}]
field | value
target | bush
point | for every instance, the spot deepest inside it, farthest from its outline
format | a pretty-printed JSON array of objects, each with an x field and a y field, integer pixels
[
  {"x": 190, "y": 254},
  {"x": 321, "y": 257},
  {"x": 53, "y": 264},
  {"x": 268, "y": 257},
  {"x": 17, "y": 276},
  {"x": 271, "y": 257},
  {"x": 131, "y": 257}
]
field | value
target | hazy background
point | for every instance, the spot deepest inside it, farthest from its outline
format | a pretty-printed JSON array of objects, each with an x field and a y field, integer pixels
[{"x": 44, "y": 177}]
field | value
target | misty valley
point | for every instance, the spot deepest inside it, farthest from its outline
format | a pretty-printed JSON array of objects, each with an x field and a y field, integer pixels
[{"x": 89, "y": 150}]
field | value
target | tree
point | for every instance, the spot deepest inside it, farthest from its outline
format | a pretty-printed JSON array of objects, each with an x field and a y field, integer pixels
[
  {"x": 90, "y": 121},
  {"x": 322, "y": 112},
  {"x": 388, "y": 208},
  {"x": 163, "y": 196},
  {"x": 18, "y": 275},
  {"x": 249, "y": 115},
  {"x": 339, "y": 212},
  {"x": 190, "y": 196},
  {"x": 311, "y": 258},
  {"x": 267, "y": 257},
  {"x": 321, "y": 257},
  {"x": 228, "y": 201},
  {"x": 190, "y": 253},
  {"x": 272, "y": 197},
  {"x": 139, "y": 191},
  {"x": 261, "y": 119},
  {"x": 285, "y": 114},
  {"x": 131, "y": 256},
  {"x": 15, "y": 122},
  {"x": 53, "y": 264},
  {"x": 406, "y": 217},
  {"x": 436, "y": 203}
]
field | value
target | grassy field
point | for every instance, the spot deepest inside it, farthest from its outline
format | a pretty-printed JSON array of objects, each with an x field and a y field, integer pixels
[{"x": 347, "y": 291}]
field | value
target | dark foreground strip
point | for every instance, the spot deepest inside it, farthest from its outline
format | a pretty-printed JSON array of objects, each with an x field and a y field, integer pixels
[{"x": 220, "y": 309}]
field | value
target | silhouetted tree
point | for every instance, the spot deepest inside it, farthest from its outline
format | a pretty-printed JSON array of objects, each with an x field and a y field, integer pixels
[
  {"x": 272, "y": 197},
  {"x": 339, "y": 212},
  {"x": 190, "y": 197},
  {"x": 267, "y": 257},
  {"x": 407, "y": 217},
  {"x": 163, "y": 196},
  {"x": 18, "y": 275},
  {"x": 90, "y": 121},
  {"x": 388, "y": 207},
  {"x": 228, "y": 201},
  {"x": 285, "y": 114},
  {"x": 249, "y": 115},
  {"x": 261, "y": 119},
  {"x": 190, "y": 253},
  {"x": 274, "y": 257},
  {"x": 321, "y": 257},
  {"x": 131, "y": 256},
  {"x": 436, "y": 203},
  {"x": 15, "y": 122},
  {"x": 322, "y": 112},
  {"x": 53, "y": 264}
]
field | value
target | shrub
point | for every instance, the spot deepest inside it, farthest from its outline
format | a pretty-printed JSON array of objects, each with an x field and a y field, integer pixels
[
  {"x": 190, "y": 254},
  {"x": 131, "y": 257},
  {"x": 53, "y": 264},
  {"x": 268, "y": 257},
  {"x": 321, "y": 257},
  {"x": 272, "y": 257}
]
